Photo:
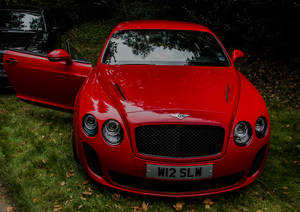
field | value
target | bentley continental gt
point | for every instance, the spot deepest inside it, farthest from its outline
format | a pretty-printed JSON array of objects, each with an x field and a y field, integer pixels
[{"x": 164, "y": 112}]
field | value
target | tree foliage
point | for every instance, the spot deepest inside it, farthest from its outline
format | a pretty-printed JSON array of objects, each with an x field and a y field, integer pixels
[{"x": 267, "y": 26}]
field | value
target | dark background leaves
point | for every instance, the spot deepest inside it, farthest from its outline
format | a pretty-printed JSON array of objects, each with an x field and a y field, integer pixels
[{"x": 267, "y": 27}]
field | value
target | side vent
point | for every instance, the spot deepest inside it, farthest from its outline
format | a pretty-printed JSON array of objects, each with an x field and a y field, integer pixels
[
  {"x": 227, "y": 93},
  {"x": 120, "y": 91}
]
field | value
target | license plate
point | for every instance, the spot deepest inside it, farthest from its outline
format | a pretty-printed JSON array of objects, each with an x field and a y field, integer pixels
[{"x": 179, "y": 172}]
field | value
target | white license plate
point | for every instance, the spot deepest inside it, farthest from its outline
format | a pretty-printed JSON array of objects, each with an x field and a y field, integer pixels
[{"x": 179, "y": 172}]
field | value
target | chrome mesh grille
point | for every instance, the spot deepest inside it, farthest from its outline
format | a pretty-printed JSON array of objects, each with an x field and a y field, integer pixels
[{"x": 179, "y": 141}]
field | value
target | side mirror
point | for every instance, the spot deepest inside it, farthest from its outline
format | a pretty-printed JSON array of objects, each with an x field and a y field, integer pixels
[
  {"x": 60, "y": 55},
  {"x": 236, "y": 54}
]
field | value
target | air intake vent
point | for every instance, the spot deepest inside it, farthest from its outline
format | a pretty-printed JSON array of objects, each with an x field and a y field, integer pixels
[
  {"x": 92, "y": 159},
  {"x": 175, "y": 186},
  {"x": 257, "y": 160}
]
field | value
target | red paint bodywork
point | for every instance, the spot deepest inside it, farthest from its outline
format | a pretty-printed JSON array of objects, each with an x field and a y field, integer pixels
[
  {"x": 35, "y": 78},
  {"x": 236, "y": 54},
  {"x": 218, "y": 96}
]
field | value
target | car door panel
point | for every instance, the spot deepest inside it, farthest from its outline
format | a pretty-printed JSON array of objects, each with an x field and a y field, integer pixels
[{"x": 36, "y": 79}]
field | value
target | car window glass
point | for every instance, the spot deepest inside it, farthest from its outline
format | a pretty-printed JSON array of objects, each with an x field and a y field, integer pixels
[
  {"x": 20, "y": 21},
  {"x": 164, "y": 47}
]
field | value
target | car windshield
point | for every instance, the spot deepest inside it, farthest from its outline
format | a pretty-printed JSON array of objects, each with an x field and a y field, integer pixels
[
  {"x": 20, "y": 21},
  {"x": 164, "y": 47}
]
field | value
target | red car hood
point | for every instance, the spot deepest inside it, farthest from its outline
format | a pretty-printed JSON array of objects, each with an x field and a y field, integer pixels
[{"x": 174, "y": 88}]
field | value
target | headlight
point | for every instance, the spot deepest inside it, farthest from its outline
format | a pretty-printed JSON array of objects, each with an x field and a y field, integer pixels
[
  {"x": 261, "y": 127},
  {"x": 90, "y": 125},
  {"x": 242, "y": 133},
  {"x": 112, "y": 132}
]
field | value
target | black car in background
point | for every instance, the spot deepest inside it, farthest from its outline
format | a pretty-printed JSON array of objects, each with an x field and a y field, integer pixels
[{"x": 25, "y": 30}]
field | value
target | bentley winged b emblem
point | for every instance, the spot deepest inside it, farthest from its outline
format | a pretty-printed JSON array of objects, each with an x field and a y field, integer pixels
[{"x": 180, "y": 116}]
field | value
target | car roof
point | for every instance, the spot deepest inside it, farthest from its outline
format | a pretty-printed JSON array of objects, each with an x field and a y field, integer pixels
[{"x": 160, "y": 24}]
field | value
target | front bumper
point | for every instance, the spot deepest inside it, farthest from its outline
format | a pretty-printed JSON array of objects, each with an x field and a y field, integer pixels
[{"x": 118, "y": 167}]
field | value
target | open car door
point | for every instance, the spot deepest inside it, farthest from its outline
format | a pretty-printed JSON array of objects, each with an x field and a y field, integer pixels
[{"x": 52, "y": 81}]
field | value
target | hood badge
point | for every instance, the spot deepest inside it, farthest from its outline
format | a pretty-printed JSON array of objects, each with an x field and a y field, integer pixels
[{"x": 179, "y": 115}]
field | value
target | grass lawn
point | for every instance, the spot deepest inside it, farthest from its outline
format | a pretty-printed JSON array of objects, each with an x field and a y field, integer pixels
[{"x": 40, "y": 174}]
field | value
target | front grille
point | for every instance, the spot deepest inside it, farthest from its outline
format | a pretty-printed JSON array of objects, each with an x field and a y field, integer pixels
[
  {"x": 175, "y": 186},
  {"x": 179, "y": 141}
]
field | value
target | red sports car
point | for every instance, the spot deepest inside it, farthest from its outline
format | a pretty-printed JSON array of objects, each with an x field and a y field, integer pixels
[{"x": 164, "y": 112}]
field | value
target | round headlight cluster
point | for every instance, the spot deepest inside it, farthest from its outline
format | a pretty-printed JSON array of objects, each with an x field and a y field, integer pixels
[
  {"x": 261, "y": 127},
  {"x": 242, "y": 133},
  {"x": 112, "y": 132},
  {"x": 90, "y": 125}
]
